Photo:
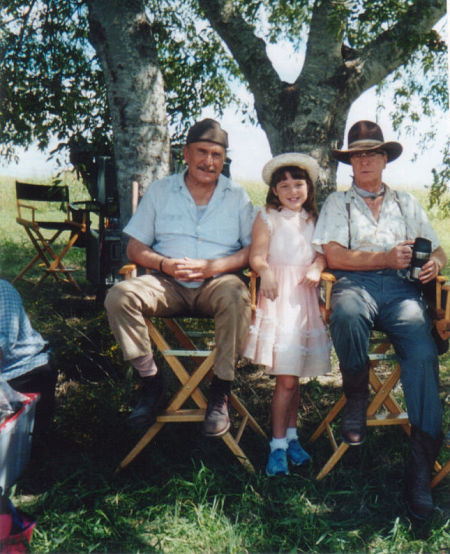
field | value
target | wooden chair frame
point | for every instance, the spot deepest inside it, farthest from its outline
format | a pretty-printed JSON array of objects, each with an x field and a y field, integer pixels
[
  {"x": 382, "y": 398},
  {"x": 76, "y": 222},
  {"x": 175, "y": 413}
]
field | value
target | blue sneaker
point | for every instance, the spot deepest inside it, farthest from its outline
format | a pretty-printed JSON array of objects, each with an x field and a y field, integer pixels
[
  {"x": 297, "y": 456},
  {"x": 277, "y": 464}
]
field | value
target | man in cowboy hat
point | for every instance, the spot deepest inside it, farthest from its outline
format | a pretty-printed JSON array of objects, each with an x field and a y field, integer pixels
[
  {"x": 193, "y": 230},
  {"x": 367, "y": 233}
]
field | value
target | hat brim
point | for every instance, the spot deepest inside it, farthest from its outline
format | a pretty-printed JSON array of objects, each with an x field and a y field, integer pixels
[
  {"x": 294, "y": 159},
  {"x": 392, "y": 149}
]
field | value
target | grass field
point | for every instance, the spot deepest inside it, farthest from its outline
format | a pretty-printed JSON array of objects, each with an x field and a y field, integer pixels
[{"x": 184, "y": 493}]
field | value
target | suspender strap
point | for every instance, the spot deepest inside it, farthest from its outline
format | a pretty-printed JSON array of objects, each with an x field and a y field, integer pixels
[{"x": 402, "y": 213}]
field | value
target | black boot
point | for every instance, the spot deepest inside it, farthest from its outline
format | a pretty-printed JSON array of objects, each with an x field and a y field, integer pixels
[
  {"x": 424, "y": 451},
  {"x": 356, "y": 389},
  {"x": 150, "y": 401},
  {"x": 217, "y": 419}
]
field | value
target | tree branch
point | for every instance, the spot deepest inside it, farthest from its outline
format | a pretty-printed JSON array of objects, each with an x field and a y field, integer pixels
[
  {"x": 248, "y": 50},
  {"x": 392, "y": 48}
]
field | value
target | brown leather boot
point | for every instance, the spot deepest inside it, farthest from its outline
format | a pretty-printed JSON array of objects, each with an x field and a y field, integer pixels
[
  {"x": 151, "y": 401},
  {"x": 217, "y": 419},
  {"x": 355, "y": 385},
  {"x": 424, "y": 450}
]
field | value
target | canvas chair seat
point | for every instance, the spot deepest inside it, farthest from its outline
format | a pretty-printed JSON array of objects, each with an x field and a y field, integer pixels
[
  {"x": 72, "y": 219},
  {"x": 190, "y": 382},
  {"x": 383, "y": 409}
]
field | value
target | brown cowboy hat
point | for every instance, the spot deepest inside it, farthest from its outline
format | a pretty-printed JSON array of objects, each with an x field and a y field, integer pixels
[{"x": 364, "y": 136}]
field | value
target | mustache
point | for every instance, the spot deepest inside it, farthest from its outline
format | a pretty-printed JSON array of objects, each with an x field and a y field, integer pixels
[{"x": 207, "y": 169}]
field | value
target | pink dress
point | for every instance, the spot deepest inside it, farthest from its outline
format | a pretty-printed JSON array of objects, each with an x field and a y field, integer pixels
[{"x": 287, "y": 335}]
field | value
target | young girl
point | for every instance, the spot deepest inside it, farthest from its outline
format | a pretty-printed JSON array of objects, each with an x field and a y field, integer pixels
[{"x": 287, "y": 334}]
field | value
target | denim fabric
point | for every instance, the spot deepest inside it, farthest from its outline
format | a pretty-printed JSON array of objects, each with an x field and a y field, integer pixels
[
  {"x": 364, "y": 300},
  {"x": 22, "y": 348}
]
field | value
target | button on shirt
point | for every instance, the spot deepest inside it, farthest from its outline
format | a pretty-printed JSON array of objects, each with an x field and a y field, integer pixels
[
  {"x": 22, "y": 348},
  {"x": 401, "y": 218},
  {"x": 168, "y": 220}
]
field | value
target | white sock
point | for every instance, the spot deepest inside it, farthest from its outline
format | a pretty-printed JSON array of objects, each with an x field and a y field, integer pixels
[
  {"x": 276, "y": 444},
  {"x": 145, "y": 365},
  {"x": 291, "y": 434}
]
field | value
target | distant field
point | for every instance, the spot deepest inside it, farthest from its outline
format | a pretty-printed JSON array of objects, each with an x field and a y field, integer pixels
[{"x": 257, "y": 191}]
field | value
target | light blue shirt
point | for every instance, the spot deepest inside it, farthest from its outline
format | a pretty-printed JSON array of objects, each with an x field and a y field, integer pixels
[
  {"x": 22, "y": 348},
  {"x": 167, "y": 220}
]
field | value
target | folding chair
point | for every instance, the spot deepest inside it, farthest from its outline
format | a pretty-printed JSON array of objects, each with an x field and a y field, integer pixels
[
  {"x": 190, "y": 382},
  {"x": 383, "y": 408},
  {"x": 43, "y": 233}
]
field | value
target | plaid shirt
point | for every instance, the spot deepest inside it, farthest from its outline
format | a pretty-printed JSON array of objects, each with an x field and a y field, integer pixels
[{"x": 22, "y": 348}]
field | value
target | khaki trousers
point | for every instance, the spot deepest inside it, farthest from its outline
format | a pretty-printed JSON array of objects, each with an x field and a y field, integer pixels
[{"x": 226, "y": 298}]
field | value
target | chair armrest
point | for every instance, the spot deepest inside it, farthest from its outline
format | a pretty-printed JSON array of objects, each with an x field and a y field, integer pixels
[
  {"x": 252, "y": 276},
  {"x": 27, "y": 207},
  {"x": 327, "y": 281},
  {"x": 84, "y": 205},
  {"x": 128, "y": 270},
  {"x": 440, "y": 281},
  {"x": 442, "y": 313}
]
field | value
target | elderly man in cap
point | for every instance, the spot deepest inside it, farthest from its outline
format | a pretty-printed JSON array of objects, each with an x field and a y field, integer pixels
[
  {"x": 367, "y": 233},
  {"x": 193, "y": 230}
]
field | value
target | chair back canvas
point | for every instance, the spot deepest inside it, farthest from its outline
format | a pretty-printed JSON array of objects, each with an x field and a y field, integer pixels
[{"x": 52, "y": 199}]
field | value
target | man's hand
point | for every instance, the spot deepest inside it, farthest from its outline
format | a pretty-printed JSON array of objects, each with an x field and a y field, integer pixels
[
  {"x": 188, "y": 269},
  {"x": 269, "y": 285},
  {"x": 429, "y": 271},
  {"x": 399, "y": 257}
]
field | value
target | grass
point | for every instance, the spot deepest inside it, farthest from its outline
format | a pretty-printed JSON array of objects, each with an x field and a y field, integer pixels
[{"x": 185, "y": 493}]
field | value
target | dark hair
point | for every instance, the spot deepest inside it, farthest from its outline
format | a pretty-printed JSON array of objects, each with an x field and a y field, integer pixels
[{"x": 272, "y": 201}]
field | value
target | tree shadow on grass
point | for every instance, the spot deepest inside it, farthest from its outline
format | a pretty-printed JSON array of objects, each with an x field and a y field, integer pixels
[
  {"x": 82, "y": 505},
  {"x": 182, "y": 476}
]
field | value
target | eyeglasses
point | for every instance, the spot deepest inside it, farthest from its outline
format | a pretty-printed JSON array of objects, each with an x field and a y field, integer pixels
[{"x": 370, "y": 154}]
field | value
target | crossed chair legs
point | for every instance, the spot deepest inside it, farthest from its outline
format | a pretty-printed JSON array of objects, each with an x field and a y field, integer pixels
[{"x": 175, "y": 412}]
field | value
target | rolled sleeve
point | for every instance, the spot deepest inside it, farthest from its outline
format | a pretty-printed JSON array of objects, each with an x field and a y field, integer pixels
[
  {"x": 246, "y": 218},
  {"x": 332, "y": 224}
]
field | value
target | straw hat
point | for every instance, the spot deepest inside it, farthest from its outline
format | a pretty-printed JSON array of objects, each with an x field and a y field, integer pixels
[
  {"x": 364, "y": 136},
  {"x": 291, "y": 159}
]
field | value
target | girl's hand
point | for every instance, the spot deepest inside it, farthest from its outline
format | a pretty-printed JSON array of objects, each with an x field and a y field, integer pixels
[
  {"x": 269, "y": 285},
  {"x": 312, "y": 276}
]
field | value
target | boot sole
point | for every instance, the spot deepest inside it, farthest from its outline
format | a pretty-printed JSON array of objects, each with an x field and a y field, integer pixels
[
  {"x": 218, "y": 434},
  {"x": 354, "y": 443}
]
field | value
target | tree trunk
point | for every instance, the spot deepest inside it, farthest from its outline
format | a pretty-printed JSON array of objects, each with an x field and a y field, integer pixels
[
  {"x": 310, "y": 114},
  {"x": 122, "y": 37}
]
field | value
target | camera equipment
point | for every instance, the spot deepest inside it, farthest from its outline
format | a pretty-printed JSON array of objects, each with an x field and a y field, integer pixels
[{"x": 420, "y": 255}]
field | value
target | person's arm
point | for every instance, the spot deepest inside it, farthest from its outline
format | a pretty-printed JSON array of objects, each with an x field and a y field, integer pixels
[
  {"x": 435, "y": 264},
  {"x": 312, "y": 275},
  {"x": 185, "y": 269},
  {"x": 258, "y": 258},
  {"x": 143, "y": 255},
  {"x": 339, "y": 257},
  {"x": 189, "y": 269}
]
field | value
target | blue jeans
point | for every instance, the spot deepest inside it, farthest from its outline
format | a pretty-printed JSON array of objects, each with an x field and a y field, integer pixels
[{"x": 364, "y": 300}]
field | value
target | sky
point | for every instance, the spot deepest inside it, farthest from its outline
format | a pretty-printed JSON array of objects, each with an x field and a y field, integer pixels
[{"x": 249, "y": 148}]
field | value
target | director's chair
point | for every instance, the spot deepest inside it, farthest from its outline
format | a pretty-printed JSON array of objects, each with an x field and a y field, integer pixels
[
  {"x": 189, "y": 390},
  {"x": 383, "y": 409},
  {"x": 43, "y": 233}
]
